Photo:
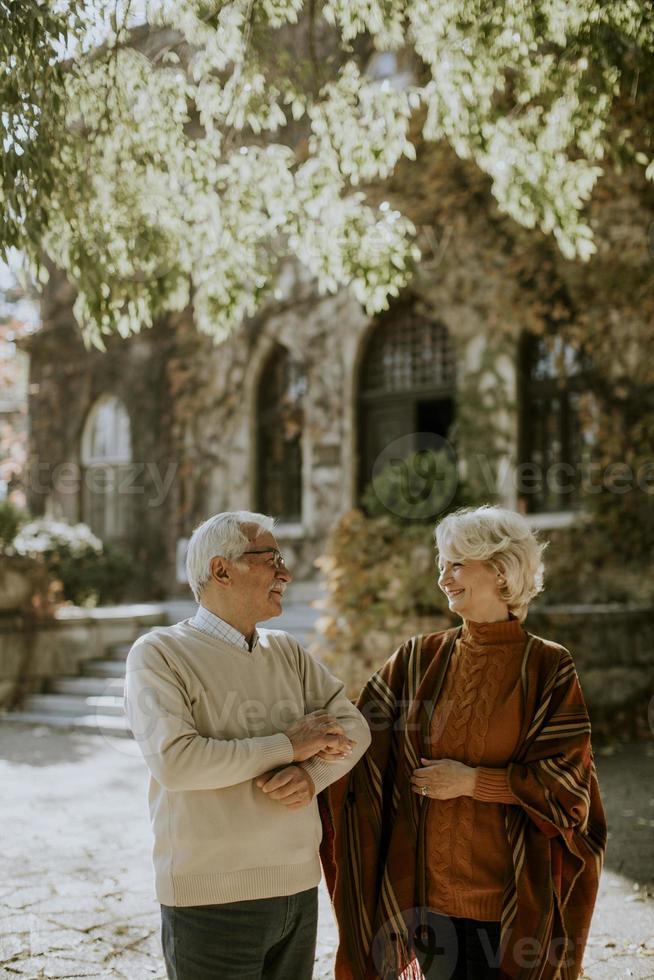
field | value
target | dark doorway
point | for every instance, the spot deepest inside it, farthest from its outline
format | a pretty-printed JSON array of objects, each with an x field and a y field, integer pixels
[
  {"x": 435, "y": 415},
  {"x": 407, "y": 385},
  {"x": 280, "y": 422}
]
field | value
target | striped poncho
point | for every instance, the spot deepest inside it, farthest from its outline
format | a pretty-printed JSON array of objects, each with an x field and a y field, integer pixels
[{"x": 374, "y": 826}]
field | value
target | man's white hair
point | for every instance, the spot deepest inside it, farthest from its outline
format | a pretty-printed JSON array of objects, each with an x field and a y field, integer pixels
[
  {"x": 504, "y": 540},
  {"x": 222, "y": 535}
]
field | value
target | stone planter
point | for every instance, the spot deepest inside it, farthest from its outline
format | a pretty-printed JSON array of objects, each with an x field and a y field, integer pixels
[
  {"x": 20, "y": 580},
  {"x": 34, "y": 651},
  {"x": 24, "y": 607}
]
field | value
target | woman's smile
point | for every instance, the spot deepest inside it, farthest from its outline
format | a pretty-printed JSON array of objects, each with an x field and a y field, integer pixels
[{"x": 478, "y": 598}]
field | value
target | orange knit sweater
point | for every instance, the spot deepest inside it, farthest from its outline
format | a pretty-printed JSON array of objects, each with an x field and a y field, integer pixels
[{"x": 476, "y": 721}]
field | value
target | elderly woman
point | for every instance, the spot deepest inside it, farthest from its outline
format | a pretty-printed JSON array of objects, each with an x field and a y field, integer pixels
[{"x": 467, "y": 844}]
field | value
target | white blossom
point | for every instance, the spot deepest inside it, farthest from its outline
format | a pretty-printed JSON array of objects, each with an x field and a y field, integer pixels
[
  {"x": 177, "y": 178},
  {"x": 45, "y": 535}
]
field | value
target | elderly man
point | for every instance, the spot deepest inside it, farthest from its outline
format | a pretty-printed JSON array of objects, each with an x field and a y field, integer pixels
[{"x": 240, "y": 729}]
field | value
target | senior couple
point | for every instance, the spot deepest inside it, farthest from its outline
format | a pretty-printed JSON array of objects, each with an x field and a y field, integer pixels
[{"x": 455, "y": 809}]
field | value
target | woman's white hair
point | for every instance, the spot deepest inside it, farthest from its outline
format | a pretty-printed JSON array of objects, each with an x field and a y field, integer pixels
[
  {"x": 222, "y": 535},
  {"x": 504, "y": 540}
]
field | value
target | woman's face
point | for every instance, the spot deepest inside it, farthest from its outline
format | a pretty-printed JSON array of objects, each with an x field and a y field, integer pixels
[{"x": 473, "y": 590}]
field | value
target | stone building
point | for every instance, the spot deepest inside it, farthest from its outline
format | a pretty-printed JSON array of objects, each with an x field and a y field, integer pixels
[
  {"x": 14, "y": 370},
  {"x": 290, "y": 415}
]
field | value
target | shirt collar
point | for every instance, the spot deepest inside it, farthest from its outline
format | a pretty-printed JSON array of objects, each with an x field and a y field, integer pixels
[{"x": 213, "y": 625}]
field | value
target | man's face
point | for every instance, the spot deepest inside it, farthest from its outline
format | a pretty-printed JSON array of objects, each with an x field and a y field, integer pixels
[{"x": 260, "y": 586}]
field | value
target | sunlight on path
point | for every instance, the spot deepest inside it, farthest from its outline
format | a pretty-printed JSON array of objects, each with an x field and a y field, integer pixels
[{"x": 76, "y": 896}]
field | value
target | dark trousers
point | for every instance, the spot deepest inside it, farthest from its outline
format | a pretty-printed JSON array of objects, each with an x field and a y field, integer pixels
[
  {"x": 262, "y": 939},
  {"x": 459, "y": 949}
]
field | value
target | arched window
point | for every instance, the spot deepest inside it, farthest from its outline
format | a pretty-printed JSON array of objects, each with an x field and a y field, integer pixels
[
  {"x": 554, "y": 379},
  {"x": 280, "y": 420},
  {"x": 406, "y": 386},
  {"x": 106, "y": 455}
]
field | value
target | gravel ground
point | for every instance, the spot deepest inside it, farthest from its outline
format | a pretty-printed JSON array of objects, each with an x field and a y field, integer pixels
[{"x": 76, "y": 895}]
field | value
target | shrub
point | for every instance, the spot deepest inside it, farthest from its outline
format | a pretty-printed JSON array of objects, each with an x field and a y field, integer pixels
[
  {"x": 44, "y": 537},
  {"x": 89, "y": 572},
  {"x": 418, "y": 489},
  {"x": 381, "y": 583},
  {"x": 11, "y": 520},
  {"x": 381, "y": 587},
  {"x": 380, "y": 565}
]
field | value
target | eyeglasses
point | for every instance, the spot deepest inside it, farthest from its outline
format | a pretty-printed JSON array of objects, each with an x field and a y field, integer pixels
[{"x": 278, "y": 558}]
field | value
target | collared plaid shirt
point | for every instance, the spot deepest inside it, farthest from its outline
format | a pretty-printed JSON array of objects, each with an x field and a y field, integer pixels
[{"x": 213, "y": 625}]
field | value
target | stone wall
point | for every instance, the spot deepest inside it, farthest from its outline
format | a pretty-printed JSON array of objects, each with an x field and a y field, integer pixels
[
  {"x": 192, "y": 406},
  {"x": 66, "y": 379},
  {"x": 613, "y": 649},
  {"x": 215, "y": 414},
  {"x": 31, "y": 653},
  {"x": 192, "y": 403}
]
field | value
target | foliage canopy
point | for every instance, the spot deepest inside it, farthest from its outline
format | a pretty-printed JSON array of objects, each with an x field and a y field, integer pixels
[{"x": 163, "y": 152}]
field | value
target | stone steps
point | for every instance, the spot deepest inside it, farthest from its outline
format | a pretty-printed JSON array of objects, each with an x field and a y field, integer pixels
[
  {"x": 93, "y": 701},
  {"x": 88, "y": 686},
  {"x": 296, "y": 619},
  {"x": 79, "y": 704},
  {"x": 118, "y": 652},
  {"x": 92, "y": 724},
  {"x": 104, "y": 668}
]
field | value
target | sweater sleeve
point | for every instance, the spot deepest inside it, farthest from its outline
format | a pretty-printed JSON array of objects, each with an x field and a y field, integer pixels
[
  {"x": 323, "y": 691},
  {"x": 159, "y": 713},
  {"x": 492, "y": 786}
]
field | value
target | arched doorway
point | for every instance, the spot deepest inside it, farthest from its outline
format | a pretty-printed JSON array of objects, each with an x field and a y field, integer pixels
[
  {"x": 106, "y": 456},
  {"x": 406, "y": 384},
  {"x": 280, "y": 421}
]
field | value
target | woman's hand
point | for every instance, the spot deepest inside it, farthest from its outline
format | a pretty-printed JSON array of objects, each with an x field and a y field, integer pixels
[{"x": 443, "y": 779}]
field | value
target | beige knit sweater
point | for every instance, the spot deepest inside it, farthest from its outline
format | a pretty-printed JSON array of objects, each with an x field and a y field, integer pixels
[{"x": 209, "y": 718}]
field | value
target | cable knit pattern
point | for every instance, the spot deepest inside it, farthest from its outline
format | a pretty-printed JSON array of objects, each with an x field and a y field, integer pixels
[
  {"x": 476, "y": 721},
  {"x": 485, "y": 697}
]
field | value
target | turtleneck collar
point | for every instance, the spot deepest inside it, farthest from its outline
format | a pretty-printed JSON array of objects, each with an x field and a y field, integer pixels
[{"x": 493, "y": 634}]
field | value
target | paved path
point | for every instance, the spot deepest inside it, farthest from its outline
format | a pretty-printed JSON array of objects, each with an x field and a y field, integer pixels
[{"x": 76, "y": 889}]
